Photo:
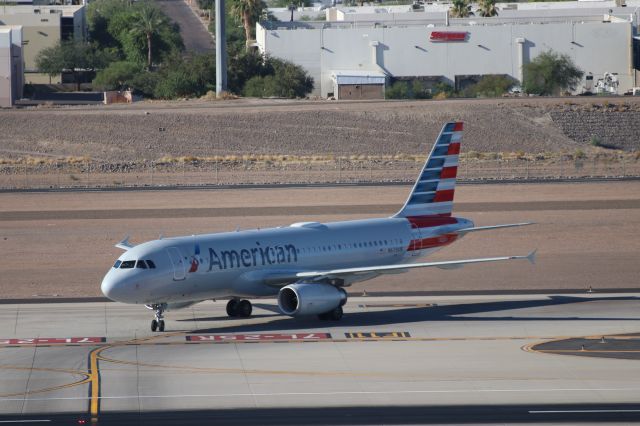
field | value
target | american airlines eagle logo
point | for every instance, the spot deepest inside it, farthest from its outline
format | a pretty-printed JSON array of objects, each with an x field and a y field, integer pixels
[{"x": 194, "y": 259}]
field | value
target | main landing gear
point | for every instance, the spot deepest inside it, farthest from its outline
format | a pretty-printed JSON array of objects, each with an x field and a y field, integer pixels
[
  {"x": 332, "y": 315},
  {"x": 158, "y": 323},
  {"x": 239, "y": 308}
]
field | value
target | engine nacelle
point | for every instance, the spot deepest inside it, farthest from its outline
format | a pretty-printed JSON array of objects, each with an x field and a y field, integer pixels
[{"x": 310, "y": 299}]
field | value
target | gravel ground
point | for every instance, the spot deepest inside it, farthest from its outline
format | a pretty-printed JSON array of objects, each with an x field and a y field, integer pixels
[{"x": 152, "y": 130}]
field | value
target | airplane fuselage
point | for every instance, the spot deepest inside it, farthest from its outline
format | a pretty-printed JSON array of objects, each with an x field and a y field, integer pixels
[{"x": 247, "y": 263}]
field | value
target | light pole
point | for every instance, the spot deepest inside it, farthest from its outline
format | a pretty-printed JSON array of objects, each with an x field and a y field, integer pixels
[{"x": 221, "y": 49}]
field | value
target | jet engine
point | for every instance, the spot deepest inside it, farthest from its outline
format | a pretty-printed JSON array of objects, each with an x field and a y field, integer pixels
[{"x": 310, "y": 299}]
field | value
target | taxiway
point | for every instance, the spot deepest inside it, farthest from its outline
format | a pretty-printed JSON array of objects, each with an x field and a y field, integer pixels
[{"x": 409, "y": 360}]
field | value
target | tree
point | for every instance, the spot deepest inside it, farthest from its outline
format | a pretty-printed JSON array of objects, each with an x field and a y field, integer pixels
[
  {"x": 243, "y": 67},
  {"x": 550, "y": 73},
  {"x": 461, "y": 8},
  {"x": 280, "y": 79},
  {"x": 186, "y": 77},
  {"x": 487, "y": 8},
  {"x": 149, "y": 20},
  {"x": 297, "y": 3},
  {"x": 117, "y": 75},
  {"x": 249, "y": 12},
  {"x": 68, "y": 56},
  {"x": 116, "y": 24}
]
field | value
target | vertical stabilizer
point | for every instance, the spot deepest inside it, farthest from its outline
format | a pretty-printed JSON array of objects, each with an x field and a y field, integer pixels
[{"x": 432, "y": 194}]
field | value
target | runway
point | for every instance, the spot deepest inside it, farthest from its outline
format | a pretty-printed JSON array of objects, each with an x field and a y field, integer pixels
[
  {"x": 408, "y": 360},
  {"x": 59, "y": 245}
]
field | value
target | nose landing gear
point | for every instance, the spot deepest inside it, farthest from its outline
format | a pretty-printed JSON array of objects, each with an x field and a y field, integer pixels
[{"x": 158, "y": 323}]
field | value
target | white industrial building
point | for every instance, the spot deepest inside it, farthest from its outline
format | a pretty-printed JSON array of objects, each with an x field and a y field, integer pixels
[
  {"x": 352, "y": 55},
  {"x": 11, "y": 65},
  {"x": 44, "y": 26}
]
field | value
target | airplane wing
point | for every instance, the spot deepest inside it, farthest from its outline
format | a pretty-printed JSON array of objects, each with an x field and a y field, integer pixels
[
  {"x": 487, "y": 228},
  {"x": 335, "y": 273}
]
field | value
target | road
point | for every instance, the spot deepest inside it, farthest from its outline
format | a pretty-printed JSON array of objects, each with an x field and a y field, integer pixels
[{"x": 195, "y": 36}]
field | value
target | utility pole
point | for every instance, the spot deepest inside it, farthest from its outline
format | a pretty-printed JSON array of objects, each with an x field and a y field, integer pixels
[{"x": 221, "y": 49}]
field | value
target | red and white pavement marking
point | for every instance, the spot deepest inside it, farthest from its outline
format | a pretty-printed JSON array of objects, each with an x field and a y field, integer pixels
[
  {"x": 52, "y": 340},
  {"x": 257, "y": 337}
]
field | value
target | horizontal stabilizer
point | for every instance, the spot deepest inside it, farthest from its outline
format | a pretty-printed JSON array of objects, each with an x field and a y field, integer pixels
[
  {"x": 125, "y": 244},
  {"x": 488, "y": 228}
]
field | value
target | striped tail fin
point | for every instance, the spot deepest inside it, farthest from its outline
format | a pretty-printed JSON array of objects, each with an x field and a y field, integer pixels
[{"x": 432, "y": 194}]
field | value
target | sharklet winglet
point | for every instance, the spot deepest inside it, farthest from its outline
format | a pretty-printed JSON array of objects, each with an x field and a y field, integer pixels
[{"x": 125, "y": 244}]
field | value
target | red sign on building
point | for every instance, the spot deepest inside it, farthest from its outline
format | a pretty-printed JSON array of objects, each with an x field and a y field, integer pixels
[{"x": 447, "y": 36}]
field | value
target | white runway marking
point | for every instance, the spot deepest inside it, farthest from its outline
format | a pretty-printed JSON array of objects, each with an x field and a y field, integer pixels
[
  {"x": 25, "y": 421},
  {"x": 583, "y": 411},
  {"x": 338, "y": 393}
]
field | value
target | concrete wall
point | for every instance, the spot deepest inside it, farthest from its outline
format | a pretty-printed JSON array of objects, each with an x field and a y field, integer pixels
[
  {"x": 17, "y": 60},
  {"x": 39, "y": 32},
  {"x": 405, "y": 51},
  {"x": 6, "y": 89},
  {"x": 615, "y": 129},
  {"x": 41, "y": 29}
]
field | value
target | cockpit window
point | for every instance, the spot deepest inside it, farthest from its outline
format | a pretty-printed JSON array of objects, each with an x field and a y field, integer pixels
[
  {"x": 118, "y": 262},
  {"x": 141, "y": 264},
  {"x": 151, "y": 264},
  {"x": 128, "y": 264}
]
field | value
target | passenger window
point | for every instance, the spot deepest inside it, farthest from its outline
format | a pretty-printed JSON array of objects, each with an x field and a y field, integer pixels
[
  {"x": 141, "y": 264},
  {"x": 128, "y": 264},
  {"x": 115, "y": 265}
]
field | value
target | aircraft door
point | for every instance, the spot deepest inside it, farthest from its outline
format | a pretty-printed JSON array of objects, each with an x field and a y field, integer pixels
[
  {"x": 416, "y": 239},
  {"x": 178, "y": 262}
]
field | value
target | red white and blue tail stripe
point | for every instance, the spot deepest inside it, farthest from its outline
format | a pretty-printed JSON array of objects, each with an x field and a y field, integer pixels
[{"x": 432, "y": 194}]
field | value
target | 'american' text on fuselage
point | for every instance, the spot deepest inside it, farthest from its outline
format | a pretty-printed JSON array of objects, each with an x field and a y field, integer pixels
[{"x": 254, "y": 256}]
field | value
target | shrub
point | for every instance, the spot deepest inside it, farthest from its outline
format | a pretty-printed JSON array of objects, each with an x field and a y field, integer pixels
[
  {"x": 442, "y": 90},
  {"x": 398, "y": 90},
  {"x": 286, "y": 80},
  {"x": 492, "y": 86},
  {"x": 117, "y": 76},
  {"x": 550, "y": 73}
]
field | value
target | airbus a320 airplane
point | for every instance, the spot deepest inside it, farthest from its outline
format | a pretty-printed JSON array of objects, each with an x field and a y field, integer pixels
[{"x": 306, "y": 264}]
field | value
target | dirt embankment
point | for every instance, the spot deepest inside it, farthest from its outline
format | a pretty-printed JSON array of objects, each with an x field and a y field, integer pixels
[{"x": 151, "y": 131}]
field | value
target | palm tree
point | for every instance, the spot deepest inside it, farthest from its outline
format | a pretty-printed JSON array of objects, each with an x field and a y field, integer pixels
[
  {"x": 487, "y": 8},
  {"x": 249, "y": 12},
  {"x": 461, "y": 9},
  {"x": 148, "y": 23}
]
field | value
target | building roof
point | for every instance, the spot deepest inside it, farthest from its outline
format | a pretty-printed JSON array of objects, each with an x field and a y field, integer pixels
[{"x": 358, "y": 77}]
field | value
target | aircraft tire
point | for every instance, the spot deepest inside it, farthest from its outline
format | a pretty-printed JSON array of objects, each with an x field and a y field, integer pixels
[
  {"x": 232, "y": 307},
  {"x": 161, "y": 325},
  {"x": 323, "y": 317},
  {"x": 244, "y": 309},
  {"x": 154, "y": 325},
  {"x": 336, "y": 314}
]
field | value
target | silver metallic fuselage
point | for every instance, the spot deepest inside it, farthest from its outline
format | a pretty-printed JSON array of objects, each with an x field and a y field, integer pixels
[{"x": 247, "y": 263}]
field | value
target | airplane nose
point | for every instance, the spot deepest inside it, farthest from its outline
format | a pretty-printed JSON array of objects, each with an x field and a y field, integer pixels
[{"x": 112, "y": 287}]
